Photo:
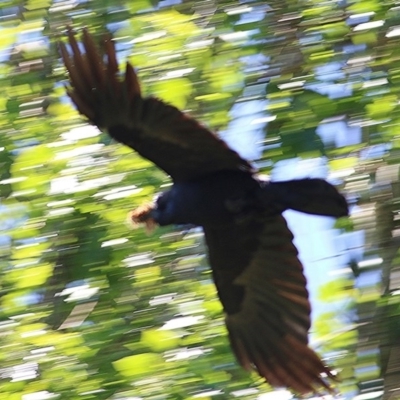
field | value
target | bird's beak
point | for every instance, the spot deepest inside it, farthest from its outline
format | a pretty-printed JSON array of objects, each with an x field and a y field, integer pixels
[{"x": 142, "y": 216}]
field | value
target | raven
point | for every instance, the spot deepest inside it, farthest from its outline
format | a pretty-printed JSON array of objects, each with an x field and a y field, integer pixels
[{"x": 255, "y": 267}]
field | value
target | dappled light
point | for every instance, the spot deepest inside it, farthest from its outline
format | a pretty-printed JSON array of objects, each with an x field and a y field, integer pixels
[{"x": 91, "y": 308}]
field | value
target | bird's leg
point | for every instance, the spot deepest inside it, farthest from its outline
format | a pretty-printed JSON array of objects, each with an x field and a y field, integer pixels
[{"x": 143, "y": 215}]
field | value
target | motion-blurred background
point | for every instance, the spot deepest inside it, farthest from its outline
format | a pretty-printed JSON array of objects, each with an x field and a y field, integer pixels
[{"x": 92, "y": 310}]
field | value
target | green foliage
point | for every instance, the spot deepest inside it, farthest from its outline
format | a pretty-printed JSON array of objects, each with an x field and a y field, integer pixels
[
  {"x": 85, "y": 302},
  {"x": 337, "y": 290}
]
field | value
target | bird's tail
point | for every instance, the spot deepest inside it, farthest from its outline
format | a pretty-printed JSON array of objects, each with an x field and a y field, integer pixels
[{"x": 311, "y": 196}]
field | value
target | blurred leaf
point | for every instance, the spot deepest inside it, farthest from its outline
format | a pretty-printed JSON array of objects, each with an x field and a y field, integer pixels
[
  {"x": 382, "y": 107},
  {"x": 364, "y": 38},
  {"x": 335, "y": 30},
  {"x": 139, "y": 364},
  {"x": 29, "y": 250},
  {"x": 359, "y": 7},
  {"x": 159, "y": 340},
  {"x": 147, "y": 276},
  {"x": 138, "y": 5},
  {"x": 31, "y": 276},
  {"x": 174, "y": 91},
  {"x": 8, "y": 35},
  {"x": 343, "y": 163},
  {"x": 337, "y": 290},
  {"x": 344, "y": 223}
]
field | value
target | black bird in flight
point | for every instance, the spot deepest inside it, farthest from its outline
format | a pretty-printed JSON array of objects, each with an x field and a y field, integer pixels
[{"x": 255, "y": 267}]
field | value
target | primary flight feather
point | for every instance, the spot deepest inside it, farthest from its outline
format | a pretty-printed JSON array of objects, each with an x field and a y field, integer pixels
[{"x": 258, "y": 275}]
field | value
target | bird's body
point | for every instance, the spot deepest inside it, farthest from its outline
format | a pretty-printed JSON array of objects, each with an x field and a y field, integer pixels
[
  {"x": 255, "y": 267},
  {"x": 209, "y": 201}
]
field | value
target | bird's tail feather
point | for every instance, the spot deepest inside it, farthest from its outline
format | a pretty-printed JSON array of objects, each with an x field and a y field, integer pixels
[{"x": 311, "y": 196}]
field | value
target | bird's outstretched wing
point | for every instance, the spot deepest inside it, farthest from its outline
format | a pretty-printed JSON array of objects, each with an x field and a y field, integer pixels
[
  {"x": 261, "y": 285},
  {"x": 175, "y": 142}
]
